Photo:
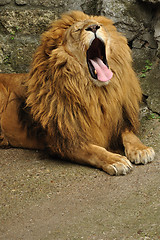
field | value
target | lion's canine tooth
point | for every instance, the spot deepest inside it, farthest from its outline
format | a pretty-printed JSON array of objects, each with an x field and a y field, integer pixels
[{"x": 95, "y": 71}]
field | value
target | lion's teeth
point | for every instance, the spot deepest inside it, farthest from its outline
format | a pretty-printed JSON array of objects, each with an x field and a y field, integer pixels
[{"x": 95, "y": 71}]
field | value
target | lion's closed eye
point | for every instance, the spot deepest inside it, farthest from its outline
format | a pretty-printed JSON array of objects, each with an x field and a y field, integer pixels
[{"x": 77, "y": 30}]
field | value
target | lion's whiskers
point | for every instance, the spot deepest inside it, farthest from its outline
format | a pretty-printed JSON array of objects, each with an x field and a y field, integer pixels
[{"x": 83, "y": 46}]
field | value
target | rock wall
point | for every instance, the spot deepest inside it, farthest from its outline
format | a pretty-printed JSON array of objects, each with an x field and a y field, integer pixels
[{"x": 22, "y": 22}]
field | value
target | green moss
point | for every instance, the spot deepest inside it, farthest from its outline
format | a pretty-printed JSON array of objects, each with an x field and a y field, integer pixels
[
  {"x": 147, "y": 68},
  {"x": 151, "y": 116}
]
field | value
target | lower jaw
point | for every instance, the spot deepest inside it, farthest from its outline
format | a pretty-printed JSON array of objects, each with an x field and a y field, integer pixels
[{"x": 100, "y": 83}]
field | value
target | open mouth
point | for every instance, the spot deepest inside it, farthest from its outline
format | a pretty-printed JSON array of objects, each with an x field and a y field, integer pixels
[{"x": 97, "y": 62}]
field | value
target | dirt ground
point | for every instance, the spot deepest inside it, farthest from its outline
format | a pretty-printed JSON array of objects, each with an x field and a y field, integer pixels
[{"x": 49, "y": 199}]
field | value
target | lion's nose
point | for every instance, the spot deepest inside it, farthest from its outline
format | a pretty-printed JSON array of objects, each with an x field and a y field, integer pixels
[{"x": 93, "y": 28}]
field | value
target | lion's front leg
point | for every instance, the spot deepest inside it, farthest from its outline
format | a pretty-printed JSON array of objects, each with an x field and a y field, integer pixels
[
  {"x": 99, "y": 157},
  {"x": 135, "y": 150}
]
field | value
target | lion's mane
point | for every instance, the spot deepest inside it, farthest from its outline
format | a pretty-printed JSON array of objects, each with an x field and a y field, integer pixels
[{"x": 67, "y": 104}]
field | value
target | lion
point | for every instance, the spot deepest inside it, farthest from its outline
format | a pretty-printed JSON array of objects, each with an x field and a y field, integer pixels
[{"x": 80, "y": 99}]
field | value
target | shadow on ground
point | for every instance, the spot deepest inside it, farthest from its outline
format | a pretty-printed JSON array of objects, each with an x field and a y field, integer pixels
[{"x": 47, "y": 199}]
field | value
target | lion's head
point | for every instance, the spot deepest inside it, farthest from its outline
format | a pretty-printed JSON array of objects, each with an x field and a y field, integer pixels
[
  {"x": 82, "y": 74},
  {"x": 88, "y": 41},
  {"x": 91, "y": 41}
]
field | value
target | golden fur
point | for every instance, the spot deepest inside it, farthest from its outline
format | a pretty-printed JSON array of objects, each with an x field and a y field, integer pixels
[{"x": 80, "y": 117}]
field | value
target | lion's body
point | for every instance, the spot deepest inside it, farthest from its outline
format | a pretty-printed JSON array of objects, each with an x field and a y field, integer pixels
[{"x": 75, "y": 112}]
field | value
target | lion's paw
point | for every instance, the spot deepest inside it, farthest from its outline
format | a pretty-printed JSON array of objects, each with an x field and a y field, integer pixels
[
  {"x": 3, "y": 141},
  {"x": 121, "y": 166},
  {"x": 143, "y": 156}
]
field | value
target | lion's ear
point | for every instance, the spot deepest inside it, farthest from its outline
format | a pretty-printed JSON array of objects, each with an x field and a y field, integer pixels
[{"x": 52, "y": 39}]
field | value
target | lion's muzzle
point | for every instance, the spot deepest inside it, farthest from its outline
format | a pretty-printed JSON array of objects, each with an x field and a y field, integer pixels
[{"x": 96, "y": 58}]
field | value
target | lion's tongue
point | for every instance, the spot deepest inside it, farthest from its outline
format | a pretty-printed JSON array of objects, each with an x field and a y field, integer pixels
[{"x": 104, "y": 74}]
